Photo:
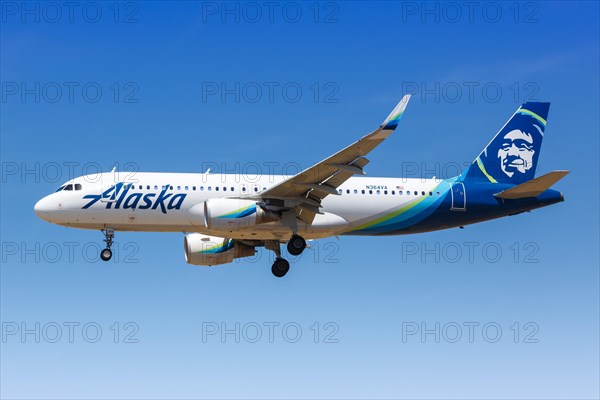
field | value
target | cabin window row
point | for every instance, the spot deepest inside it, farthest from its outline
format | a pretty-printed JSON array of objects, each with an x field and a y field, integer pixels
[
  {"x": 244, "y": 189},
  {"x": 194, "y": 188},
  {"x": 386, "y": 192}
]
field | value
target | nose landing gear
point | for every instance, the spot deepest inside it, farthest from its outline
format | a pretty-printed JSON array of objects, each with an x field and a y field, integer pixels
[{"x": 109, "y": 235}]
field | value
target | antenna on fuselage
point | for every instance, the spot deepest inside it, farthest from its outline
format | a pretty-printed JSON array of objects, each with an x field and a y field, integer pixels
[{"x": 207, "y": 171}]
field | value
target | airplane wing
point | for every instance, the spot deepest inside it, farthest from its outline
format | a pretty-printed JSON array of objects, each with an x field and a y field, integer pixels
[{"x": 304, "y": 191}]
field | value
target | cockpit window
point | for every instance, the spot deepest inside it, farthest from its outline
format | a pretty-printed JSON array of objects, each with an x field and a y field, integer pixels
[
  {"x": 60, "y": 188},
  {"x": 78, "y": 186},
  {"x": 69, "y": 187}
]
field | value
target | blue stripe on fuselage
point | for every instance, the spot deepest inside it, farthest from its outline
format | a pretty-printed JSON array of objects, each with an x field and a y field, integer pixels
[{"x": 481, "y": 205}]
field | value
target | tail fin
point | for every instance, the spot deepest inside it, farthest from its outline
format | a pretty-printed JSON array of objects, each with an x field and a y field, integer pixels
[{"x": 512, "y": 155}]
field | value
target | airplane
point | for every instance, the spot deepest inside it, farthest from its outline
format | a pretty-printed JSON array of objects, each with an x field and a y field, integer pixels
[{"x": 227, "y": 216}]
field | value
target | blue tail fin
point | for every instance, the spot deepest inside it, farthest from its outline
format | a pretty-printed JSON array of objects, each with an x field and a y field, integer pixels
[{"x": 512, "y": 155}]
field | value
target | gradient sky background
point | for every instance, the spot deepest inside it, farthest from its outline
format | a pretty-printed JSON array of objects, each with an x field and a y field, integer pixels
[{"x": 358, "y": 58}]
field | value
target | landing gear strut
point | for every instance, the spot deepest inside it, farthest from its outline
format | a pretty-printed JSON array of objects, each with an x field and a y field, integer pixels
[
  {"x": 109, "y": 235},
  {"x": 296, "y": 245},
  {"x": 281, "y": 266}
]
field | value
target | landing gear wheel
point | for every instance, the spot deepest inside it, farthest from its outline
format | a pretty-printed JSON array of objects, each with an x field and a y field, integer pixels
[
  {"x": 106, "y": 254},
  {"x": 109, "y": 235},
  {"x": 296, "y": 245},
  {"x": 280, "y": 267}
]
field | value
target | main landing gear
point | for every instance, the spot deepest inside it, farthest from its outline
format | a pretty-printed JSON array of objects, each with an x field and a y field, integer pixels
[
  {"x": 295, "y": 247},
  {"x": 109, "y": 235},
  {"x": 280, "y": 267}
]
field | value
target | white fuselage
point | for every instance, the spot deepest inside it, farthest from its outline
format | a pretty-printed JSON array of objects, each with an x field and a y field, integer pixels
[{"x": 161, "y": 202}]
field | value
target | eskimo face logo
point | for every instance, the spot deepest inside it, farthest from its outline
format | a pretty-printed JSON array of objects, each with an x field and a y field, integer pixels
[{"x": 516, "y": 152}]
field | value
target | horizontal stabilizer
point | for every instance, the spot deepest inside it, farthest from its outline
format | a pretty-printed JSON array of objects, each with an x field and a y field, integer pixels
[{"x": 534, "y": 187}]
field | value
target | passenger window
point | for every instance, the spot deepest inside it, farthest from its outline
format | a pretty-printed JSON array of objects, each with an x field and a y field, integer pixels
[
  {"x": 362, "y": 191},
  {"x": 216, "y": 188},
  {"x": 400, "y": 192},
  {"x": 378, "y": 191},
  {"x": 430, "y": 193},
  {"x": 155, "y": 187},
  {"x": 347, "y": 191},
  {"x": 244, "y": 189},
  {"x": 178, "y": 187},
  {"x": 232, "y": 189},
  {"x": 385, "y": 192},
  {"x": 255, "y": 189},
  {"x": 339, "y": 191},
  {"x": 393, "y": 192},
  {"x": 416, "y": 193},
  {"x": 355, "y": 191},
  {"x": 171, "y": 187},
  {"x": 140, "y": 187},
  {"x": 186, "y": 188},
  {"x": 147, "y": 187},
  {"x": 423, "y": 193},
  {"x": 370, "y": 192}
]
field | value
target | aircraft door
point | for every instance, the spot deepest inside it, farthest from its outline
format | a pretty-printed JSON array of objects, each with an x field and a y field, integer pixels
[{"x": 459, "y": 197}]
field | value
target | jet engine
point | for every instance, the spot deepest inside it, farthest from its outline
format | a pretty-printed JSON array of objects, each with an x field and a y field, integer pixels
[
  {"x": 230, "y": 214},
  {"x": 212, "y": 250}
]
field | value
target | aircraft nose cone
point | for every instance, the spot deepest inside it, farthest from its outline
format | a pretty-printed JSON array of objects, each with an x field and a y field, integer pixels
[{"x": 42, "y": 208}]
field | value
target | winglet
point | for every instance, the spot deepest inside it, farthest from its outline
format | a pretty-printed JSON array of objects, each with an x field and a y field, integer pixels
[
  {"x": 534, "y": 187},
  {"x": 391, "y": 122}
]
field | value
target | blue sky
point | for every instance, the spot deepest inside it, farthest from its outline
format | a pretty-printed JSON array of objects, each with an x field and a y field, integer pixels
[{"x": 182, "y": 86}]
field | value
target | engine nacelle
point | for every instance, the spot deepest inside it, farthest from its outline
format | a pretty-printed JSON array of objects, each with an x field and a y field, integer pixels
[
  {"x": 229, "y": 214},
  {"x": 212, "y": 250}
]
